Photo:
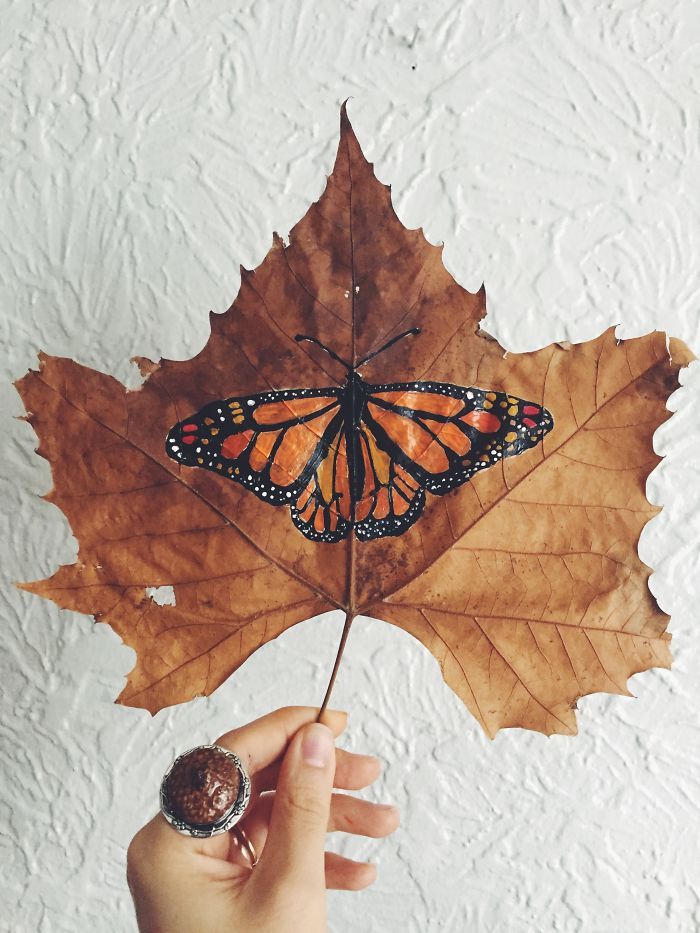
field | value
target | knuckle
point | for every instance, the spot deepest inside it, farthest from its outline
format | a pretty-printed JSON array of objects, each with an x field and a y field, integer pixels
[{"x": 304, "y": 806}]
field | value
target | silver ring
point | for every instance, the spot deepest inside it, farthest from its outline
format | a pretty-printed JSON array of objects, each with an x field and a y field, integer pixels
[
  {"x": 245, "y": 845},
  {"x": 205, "y": 791}
]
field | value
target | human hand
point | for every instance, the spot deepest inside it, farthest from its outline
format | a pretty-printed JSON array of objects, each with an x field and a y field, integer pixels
[{"x": 185, "y": 885}]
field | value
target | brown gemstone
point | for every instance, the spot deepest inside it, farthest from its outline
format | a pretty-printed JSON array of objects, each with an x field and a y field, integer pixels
[{"x": 203, "y": 786}]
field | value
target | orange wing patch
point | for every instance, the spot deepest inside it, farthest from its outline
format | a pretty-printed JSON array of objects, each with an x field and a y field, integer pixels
[
  {"x": 450, "y": 435},
  {"x": 332, "y": 477},
  {"x": 298, "y": 445},
  {"x": 322, "y": 510},
  {"x": 262, "y": 448},
  {"x": 422, "y": 401},
  {"x": 416, "y": 443},
  {"x": 391, "y": 506},
  {"x": 483, "y": 421},
  {"x": 288, "y": 410},
  {"x": 390, "y": 497}
]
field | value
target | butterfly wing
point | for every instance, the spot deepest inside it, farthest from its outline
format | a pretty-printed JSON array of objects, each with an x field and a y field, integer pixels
[
  {"x": 438, "y": 435},
  {"x": 364, "y": 490},
  {"x": 323, "y": 510},
  {"x": 291, "y": 448},
  {"x": 271, "y": 443}
]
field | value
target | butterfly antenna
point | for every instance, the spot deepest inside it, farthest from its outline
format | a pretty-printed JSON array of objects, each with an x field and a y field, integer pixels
[
  {"x": 389, "y": 343},
  {"x": 300, "y": 337}
]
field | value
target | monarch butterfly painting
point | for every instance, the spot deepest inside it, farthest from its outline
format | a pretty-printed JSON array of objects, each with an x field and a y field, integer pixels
[{"x": 357, "y": 457}]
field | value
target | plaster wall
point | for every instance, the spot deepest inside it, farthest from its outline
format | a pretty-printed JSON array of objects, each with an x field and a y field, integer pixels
[{"x": 147, "y": 150}]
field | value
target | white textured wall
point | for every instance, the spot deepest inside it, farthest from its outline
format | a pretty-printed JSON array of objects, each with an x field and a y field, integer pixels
[{"x": 147, "y": 149}]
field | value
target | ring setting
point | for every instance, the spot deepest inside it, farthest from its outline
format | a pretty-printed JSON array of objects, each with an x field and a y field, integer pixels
[{"x": 205, "y": 791}]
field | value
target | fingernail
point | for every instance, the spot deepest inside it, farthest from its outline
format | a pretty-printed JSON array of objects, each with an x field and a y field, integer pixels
[{"x": 317, "y": 745}]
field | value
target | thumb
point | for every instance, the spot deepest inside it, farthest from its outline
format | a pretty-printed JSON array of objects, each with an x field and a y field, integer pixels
[{"x": 294, "y": 849}]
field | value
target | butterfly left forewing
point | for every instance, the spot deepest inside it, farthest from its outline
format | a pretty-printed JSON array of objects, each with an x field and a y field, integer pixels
[{"x": 270, "y": 442}]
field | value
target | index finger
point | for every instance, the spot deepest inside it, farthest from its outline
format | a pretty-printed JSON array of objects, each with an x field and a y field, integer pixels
[{"x": 262, "y": 741}]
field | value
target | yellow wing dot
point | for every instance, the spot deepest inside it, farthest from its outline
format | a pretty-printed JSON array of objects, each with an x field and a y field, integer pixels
[
  {"x": 513, "y": 401},
  {"x": 199, "y": 460},
  {"x": 484, "y": 458},
  {"x": 510, "y": 437},
  {"x": 237, "y": 419},
  {"x": 230, "y": 470},
  {"x": 209, "y": 421},
  {"x": 503, "y": 404},
  {"x": 219, "y": 466},
  {"x": 513, "y": 410},
  {"x": 491, "y": 396},
  {"x": 214, "y": 431},
  {"x": 237, "y": 471},
  {"x": 205, "y": 440},
  {"x": 488, "y": 404}
]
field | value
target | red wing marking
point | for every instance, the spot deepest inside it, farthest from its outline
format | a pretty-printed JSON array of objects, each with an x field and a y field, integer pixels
[{"x": 235, "y": 444}]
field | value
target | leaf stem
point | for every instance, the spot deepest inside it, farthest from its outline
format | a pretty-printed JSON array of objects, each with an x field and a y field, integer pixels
[
  {"x": 349, "y": 616},
  {"x": 350, "y": 443}
]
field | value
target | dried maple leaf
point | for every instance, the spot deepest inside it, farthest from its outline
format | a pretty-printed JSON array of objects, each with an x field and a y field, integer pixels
[{"x": 523, "y": 580}]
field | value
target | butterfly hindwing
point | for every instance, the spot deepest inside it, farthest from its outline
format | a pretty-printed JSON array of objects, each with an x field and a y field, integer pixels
[{"x": 323, "y": 510}]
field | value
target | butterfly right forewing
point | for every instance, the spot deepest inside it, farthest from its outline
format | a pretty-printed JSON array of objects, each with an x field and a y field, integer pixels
[{"x": 443, "y": 434}]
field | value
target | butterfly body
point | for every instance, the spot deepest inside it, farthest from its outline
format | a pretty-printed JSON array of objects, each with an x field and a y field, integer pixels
[{"x": 358, "y": 457}]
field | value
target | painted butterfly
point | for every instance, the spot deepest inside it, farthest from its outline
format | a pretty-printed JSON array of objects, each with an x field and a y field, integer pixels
[{"x": 358, "y": 456}]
